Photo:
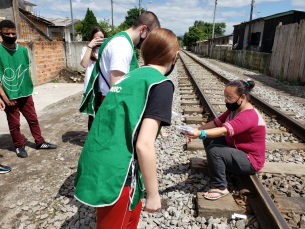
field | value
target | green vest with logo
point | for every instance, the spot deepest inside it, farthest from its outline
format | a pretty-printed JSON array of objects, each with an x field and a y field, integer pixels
[
  {"x": 15, "y": 76},
  {"x": 91, "y": 100},
  {"x": 109, "y": 149}
]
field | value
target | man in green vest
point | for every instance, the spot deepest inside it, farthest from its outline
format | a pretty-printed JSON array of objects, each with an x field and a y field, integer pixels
[
  {"x": 16, "y": 89},
  {"x": 116, "y": 58}
]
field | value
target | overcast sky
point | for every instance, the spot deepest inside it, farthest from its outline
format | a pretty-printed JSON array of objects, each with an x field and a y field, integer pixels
[{"x": 177, "y": 15}]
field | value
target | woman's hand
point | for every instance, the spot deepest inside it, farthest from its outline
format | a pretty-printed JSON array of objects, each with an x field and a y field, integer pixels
[
  {"x": 2, "y": 105},
  {"x": 193, "y": 135},
  {"x": 153, "y": 203},
  {"x": 95, "y": 41},
  {"x": 163, "y": 133}
]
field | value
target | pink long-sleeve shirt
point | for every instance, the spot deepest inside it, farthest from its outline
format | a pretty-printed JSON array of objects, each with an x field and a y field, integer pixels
[{"x": 246, "y": 132}]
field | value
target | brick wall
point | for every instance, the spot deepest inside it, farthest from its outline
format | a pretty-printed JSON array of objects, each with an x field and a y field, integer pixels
[
  {"x": 28, "y": 33},
  {"x": 47, "y": 59}
]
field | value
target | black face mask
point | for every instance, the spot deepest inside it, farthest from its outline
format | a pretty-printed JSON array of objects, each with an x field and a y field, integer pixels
[
  {"x": 9, "y": 40},
  {"x": 233, "y": 106},
  {"x": 140, "y": 42},
  {"x": 98, "y": 45},
  {"x": 172, "y": 68}
]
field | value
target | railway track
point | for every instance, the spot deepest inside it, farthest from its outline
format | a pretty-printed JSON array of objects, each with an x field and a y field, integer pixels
[{"x": 202, "y": 98}]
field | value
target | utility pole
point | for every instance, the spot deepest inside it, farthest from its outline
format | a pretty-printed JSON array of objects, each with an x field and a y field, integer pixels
[
  {"x": 214, "y": 19},
  {"x": 112, "y": 12},
  {"x": 72, "y": 19},
  {"x": 249, "y": 34},
  {"x": 139, "y": 7}
]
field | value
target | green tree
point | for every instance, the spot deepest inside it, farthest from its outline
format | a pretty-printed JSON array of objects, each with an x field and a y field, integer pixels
[
  {"x": 131, "y": 16},
  {"x": 88, "y": 22},
  {"x": 78, "y": 27},
  {"x": 107, "y": 27}
]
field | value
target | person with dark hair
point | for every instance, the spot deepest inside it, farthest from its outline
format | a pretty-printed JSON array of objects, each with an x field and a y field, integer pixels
[
  {"x": 89, "y": 57},
  {"x": 118, "y": 160},
  {"x": 3, "y": 169},
  {"x": 16, "y": 89},
  {"x": 116, "y": 58},
  {"x": 235, "y": 141}
]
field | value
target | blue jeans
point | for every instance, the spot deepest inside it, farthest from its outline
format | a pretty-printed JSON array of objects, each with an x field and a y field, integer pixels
[{"x": 222, "y": 158}]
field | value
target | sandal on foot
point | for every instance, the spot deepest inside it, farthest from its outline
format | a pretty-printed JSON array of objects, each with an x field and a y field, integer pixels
[
  {"x": 205, "y": 163},
  {"x": 218, "y": 197}
]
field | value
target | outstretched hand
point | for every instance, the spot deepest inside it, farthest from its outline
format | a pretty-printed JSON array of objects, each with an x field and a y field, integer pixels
[{"x": 195, "y": 134}]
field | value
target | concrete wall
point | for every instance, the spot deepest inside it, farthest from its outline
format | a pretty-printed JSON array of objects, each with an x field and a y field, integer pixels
[
  {"x": 252, "y": 60},
  {"x": 73, "y": 51},
  {"x": 6, "y": 10}
]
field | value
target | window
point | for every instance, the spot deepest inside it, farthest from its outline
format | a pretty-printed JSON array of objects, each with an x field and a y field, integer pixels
[{"x": 255, "y": 38}]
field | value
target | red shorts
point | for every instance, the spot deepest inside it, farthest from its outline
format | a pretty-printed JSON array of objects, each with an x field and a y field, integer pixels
[{"x": 118, "y": 215}]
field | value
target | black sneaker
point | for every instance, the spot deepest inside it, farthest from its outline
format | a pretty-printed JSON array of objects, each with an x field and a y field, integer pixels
[
  {"x": 46, "y": 145},
  {"x": 21, "y": 152},
  {"x": 4, "y": 169}
]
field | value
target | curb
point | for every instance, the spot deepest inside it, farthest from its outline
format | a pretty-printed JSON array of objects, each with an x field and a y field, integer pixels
[{"x": 71, "y": 97}]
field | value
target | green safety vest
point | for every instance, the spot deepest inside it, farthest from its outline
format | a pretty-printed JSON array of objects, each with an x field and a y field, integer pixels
[
  {"x": 109, "y": 149},
  {"x": 15, "y": 76},
  {"x": 91, "y": 100}
]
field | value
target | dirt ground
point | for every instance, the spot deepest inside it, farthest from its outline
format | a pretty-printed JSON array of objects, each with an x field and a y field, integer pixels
[
  {"x": 31, "y": 191},
  {"x": 68, "y": 76}
]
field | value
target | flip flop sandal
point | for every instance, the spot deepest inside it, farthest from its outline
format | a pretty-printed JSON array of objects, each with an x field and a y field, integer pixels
[
  {"x": 204, "y": 161},
  {"x": 218, "y": 197}
]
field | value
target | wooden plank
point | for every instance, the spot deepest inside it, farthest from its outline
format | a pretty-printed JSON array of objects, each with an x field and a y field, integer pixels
[
  {"x": 189, "y": 97},
  {"x": 269, "y": 167},
  {"x": 196, "y": 144},
  {"x": 186, "y": 92},
  {"x": 186, "y": 88},
  {"x": 189, "y": 102},
  {"x": 195, "y": 120},
  {"x": 215, "y": 103},
  {"x": 213, "y": 92},
  {"x": 290, "y": 204},
  {"x": 192, "y": 110},
  {"x": 301, "y": 72},
  {"x": 223, "y": 207},
  {"x": 274, "y": 51},
  {"x": 285, "y": 168},
  {"x": 290, "y": 43}
]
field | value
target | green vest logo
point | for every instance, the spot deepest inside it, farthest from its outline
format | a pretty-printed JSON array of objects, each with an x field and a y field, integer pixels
[{"x": 12, "y": 80}]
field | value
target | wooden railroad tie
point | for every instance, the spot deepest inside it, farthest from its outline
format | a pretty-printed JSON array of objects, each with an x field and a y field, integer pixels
[{"x": 196, "y": 144}]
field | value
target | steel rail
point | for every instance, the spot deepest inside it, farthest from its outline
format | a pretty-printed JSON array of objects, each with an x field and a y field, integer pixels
[
  {"x": 288, "y": 122},
  {"x": 270, "y": 217}
]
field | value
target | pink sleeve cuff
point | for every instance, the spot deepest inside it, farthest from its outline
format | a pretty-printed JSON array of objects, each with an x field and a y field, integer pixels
[{"x": 229, "y": 128}]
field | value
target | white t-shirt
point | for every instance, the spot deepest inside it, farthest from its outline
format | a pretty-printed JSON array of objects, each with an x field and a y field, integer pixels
[
  {"x": 89, "y": 67},
  {"x": 117, "y": 55}
]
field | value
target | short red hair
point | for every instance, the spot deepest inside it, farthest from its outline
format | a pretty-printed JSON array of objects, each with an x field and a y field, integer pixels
[{"x": 160, "y": 47}]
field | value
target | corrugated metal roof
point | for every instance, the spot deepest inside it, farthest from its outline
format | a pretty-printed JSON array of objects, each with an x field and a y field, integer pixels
[
  {"x": 62, "y": 21},
  {"x": 279, "y": 14}
]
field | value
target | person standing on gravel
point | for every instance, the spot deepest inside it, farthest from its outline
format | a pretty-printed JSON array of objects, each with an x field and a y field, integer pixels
[
  {"x": 3, "y": 169},
  {"x": 235, "y": 141},
  {"x": 16, "y": 89},
  {"x": 89, "y": 57},
  {"x": 118, "y": 160},
  {"x": 116, "y": 57}
]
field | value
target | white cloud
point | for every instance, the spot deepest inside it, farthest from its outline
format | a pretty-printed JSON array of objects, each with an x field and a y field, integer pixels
[
  {"x": 298, "y": 3},
  {"x": 176, "y": 15}
]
